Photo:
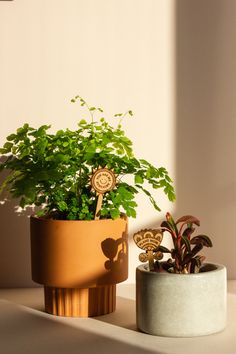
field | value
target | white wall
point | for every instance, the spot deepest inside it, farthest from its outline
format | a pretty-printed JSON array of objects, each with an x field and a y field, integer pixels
[
  {"x": 117, "y": 54},
  {"x": 171, "y": 62}
]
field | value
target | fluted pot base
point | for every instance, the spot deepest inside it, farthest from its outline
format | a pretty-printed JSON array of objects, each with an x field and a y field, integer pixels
[{"x": 79, "y": 302}]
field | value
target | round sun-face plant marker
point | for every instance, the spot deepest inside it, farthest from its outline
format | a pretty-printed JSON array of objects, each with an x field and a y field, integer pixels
[{"x": 103, "y": 180}]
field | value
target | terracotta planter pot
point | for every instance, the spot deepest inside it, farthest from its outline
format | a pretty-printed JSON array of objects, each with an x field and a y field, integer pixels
[
  {"x": 181, "y": 305},
  {"x": 79, "y": 263}
]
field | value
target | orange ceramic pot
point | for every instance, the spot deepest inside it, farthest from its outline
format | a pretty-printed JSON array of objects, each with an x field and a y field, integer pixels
[{"x": 79, "y": 263}]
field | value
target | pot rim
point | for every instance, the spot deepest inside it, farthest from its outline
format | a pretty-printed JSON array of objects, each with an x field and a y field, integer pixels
[
  {"x": 43, "y": 219},
  {"x": 142, "y": 268}
]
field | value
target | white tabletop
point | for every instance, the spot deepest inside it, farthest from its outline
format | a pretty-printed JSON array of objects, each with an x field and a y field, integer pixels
[{"x": 26, "y": 329}]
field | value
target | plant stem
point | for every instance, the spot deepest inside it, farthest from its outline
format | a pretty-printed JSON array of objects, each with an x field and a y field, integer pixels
[{"x": 122, "y": 117}]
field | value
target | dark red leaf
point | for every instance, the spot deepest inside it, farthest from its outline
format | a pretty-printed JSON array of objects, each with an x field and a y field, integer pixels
[
  {"x": 167, "y": 225},
  {"x": 188, "y": 232},
  {"x": 186, "y": 242},
  {"x": 188, "y": 219},
  {"x": 163, "y": 249},
  {"x": 196, "y": 263},
  {"x": 201, "y": 239}
]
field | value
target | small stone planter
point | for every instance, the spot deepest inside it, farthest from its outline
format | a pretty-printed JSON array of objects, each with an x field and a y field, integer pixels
[{"x": 181, "y": 305}]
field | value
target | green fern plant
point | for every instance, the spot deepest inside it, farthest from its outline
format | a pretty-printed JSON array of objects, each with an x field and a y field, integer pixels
[{"x": 52, "y": 171}]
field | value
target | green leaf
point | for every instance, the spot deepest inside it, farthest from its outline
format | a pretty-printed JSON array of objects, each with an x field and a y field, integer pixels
[
  {"x": 60, "y": 133},
  {"x": 22, "y": 202},
  {"x": 131, "y": 212},
  {"x": 7, "y": 146},
  {"x": 82, "y": 122},
  {"x": 169, "y": 190},
  {"x": 62, "y": 206},
  {"x": 11, "y": 137},
  {"x": 60, "y": 158},
  {"x": 138, "y": 179},
  {"x": 115, "y": 214},
  {"x": 40, "y": 213},
  {"x": 125, "y": 193}
]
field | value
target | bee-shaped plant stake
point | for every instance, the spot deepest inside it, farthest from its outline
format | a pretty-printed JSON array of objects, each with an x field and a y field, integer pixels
[{"x": 149, "y": 240}]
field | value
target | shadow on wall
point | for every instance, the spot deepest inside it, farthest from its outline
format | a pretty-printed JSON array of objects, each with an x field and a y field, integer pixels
[
  {"x": 206, "y": 121},
  {"x": 15, "y": 265}
]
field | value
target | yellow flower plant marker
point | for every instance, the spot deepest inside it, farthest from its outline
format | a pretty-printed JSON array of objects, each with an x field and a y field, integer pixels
[{"x": 149, "y": 240}]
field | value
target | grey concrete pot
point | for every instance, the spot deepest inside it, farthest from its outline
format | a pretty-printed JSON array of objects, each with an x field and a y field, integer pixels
[{"x": 181, "y": 305}]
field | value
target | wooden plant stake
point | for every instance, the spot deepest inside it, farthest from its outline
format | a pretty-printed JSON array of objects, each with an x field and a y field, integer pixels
[
  {"x": 103, "y": 180},
  {"x": 149, "y": 240}
]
